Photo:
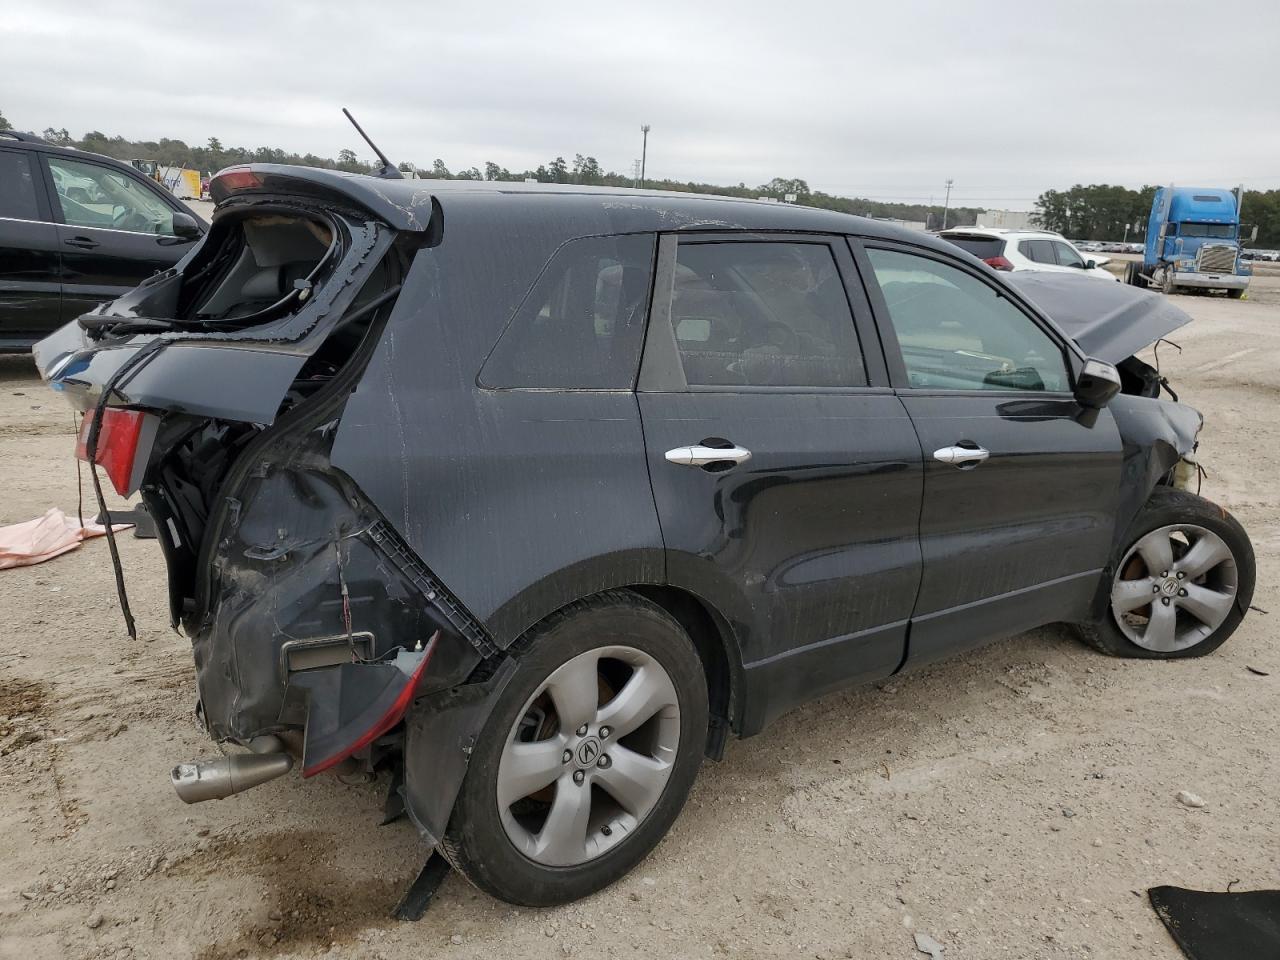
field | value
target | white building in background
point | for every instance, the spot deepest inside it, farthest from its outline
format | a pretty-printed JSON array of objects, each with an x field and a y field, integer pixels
[
  {"x": 909, "y": 224},
  {"x": 1007, "y": 219}
]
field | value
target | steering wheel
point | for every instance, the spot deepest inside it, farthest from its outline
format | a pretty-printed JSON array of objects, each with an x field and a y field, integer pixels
[{"x": 128, "y": 219}]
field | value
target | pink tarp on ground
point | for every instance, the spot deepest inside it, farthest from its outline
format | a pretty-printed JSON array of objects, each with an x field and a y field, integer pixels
[{"x": 34, "y": 541}]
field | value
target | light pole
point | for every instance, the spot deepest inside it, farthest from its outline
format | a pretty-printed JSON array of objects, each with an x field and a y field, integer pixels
[
  {"x": 946, "y": 204},
  {"x": 644, "y": 151}
]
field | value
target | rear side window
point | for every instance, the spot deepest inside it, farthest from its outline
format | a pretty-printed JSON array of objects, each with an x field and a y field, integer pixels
[
  {"x": 581, "y": 326},
  {"x": 763, "y": 314},
  {"x": 17, "y": 187},
  {"x": 1041, "y": 251},
  {"x": 981, "y": 247}
]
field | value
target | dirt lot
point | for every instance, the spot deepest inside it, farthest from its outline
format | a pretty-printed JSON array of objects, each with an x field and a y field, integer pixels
[{"x": 1014, "y": 803}]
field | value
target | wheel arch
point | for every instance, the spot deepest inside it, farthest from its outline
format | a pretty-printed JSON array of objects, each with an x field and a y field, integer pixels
[{"x": 717, "y": 648}]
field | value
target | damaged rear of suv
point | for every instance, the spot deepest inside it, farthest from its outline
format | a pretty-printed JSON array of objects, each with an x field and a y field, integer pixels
[{"x": 532, "y": 497}]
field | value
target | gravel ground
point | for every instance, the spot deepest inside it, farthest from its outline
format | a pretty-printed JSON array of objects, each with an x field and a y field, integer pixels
[{"x": 1016, "y": 802}]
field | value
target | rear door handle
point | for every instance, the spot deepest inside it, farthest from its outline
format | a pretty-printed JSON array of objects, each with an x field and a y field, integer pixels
[
  {"x": 700, "y": 456},
  {"x": 960, "y": 456},
  {"x": 84, "y": 243}
]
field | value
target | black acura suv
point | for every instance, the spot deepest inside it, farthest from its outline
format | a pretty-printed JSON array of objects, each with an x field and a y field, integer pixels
[{"x": 533, "y": 496}]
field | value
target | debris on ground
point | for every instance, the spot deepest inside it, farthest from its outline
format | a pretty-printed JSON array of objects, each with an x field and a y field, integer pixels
[
  {"x": 35, "y": 541},
  {"x": 1189, "y": 799},
  {"x": 926, "y": 944}
]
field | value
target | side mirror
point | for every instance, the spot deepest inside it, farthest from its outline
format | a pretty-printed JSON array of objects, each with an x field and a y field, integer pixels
[
  {"x": 1097, "y": 384},
  {"x": 1091, "y": 264},
  {"x": 185, "y": 227}
]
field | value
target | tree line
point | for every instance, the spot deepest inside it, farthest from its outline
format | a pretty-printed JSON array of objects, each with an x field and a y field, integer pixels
[
  {"x": 1099, "y": 211},
  {"x": 1095, "y": 211},
  {"x": 581, "y": 169}
]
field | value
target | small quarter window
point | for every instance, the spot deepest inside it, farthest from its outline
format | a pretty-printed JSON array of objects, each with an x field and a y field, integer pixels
[
  {"x": 581, "y": 325},
  {"x": 763, "y": 314},
  {"x": 17, "y": 187}
]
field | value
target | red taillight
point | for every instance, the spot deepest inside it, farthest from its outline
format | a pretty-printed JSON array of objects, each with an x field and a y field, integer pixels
[
  {"x": 1000, "y": 263},
  {"x": 117, "y": 444},
  {"x": 237, "y": 178},
  {"x": 390, "y": 717}
]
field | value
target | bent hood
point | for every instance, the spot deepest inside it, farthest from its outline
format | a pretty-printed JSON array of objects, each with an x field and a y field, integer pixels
[{"x": 1110, "y": 321}]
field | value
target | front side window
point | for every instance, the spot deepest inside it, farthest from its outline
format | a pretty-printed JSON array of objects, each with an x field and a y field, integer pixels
[
  {"x": 763, "y": 315},
  {"x": 958, "y": 333},
  {"x": 94, "y": 196},
  {"x": 17, "y": 187},
  {"x": 1066, "y": 256},
  {"x": 581, "y": 325}
]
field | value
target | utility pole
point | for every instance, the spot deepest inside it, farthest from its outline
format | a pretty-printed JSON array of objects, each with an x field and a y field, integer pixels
[
  {"x": 946, "y": 205},
  {"x": 644, "y": 151}
]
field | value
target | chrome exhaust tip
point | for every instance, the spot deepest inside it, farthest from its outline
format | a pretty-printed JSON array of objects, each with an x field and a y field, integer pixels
[{"x": 222, "y": 777}]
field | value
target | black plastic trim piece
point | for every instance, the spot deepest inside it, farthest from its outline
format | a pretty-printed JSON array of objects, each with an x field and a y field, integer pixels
[{"x": 407, "y": 562}]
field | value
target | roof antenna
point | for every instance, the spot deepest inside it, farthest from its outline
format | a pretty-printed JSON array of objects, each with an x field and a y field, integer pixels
[{"x": 388, "y": 171}]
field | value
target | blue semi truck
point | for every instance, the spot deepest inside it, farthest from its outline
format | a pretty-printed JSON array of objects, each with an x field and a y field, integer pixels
[{"x": 1193, "y": 241}]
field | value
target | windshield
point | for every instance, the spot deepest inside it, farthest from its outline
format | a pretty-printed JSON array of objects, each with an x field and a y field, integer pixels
[{"x": 1218, "y": 231}]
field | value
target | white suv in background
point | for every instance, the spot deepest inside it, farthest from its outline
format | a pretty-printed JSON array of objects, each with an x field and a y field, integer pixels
[{"x": 1026, "y": 250}]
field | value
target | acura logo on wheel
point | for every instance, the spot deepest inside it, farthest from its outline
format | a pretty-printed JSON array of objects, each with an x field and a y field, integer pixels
[{"x": 588, "y": 751}]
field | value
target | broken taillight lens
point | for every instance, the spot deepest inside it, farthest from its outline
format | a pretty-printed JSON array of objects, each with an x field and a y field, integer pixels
[
  {"x": 117, "y": 444},
  {"x": 387, "y": 717},
  {"x": 1000, "y": 263}
]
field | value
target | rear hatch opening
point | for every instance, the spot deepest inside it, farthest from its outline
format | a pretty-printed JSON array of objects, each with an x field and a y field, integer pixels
[{"x": 213, "y": 389}]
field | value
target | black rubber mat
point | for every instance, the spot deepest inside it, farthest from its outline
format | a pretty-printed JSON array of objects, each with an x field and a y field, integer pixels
[{"x": 1221, "y": 926}]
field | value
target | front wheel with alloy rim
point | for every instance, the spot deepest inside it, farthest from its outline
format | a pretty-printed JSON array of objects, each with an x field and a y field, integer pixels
[
  {"x": 587, "y": 757},
  {"x": 1181, "y": 584}
]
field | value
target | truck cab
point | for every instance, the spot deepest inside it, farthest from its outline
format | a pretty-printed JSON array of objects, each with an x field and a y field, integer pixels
[{"x": 1193, "y": 241}]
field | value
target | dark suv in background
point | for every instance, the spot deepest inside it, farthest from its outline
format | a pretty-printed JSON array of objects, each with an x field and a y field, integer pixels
[
  {"x": 77, "y": 229},
  {"x": 532, "y": 496}
]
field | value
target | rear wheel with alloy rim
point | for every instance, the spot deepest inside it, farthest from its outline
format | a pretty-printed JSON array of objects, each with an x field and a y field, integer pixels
[
  {"x": 587, "y": 757},
  {"x": 1182, "y": 583}
]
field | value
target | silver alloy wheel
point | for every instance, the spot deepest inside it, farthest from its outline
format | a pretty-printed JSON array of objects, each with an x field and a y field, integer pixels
[
  {"x": 1174, "y": 588},
  {"x": 568, "y": 788}
]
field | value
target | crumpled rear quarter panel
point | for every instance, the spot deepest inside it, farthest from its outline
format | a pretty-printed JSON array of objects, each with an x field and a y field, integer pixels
[{"x": 519, "y": 500}]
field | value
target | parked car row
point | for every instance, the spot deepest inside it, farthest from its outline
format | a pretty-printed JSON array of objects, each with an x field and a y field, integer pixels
[
  {"x": 1267, "y": 255},
  {"x": 1108, "y": 246}
]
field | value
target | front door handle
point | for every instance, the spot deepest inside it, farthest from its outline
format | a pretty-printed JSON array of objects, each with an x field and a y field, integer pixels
[
  {"x": 961, "y": 456},
  {"x": 84, "y": 243},
  {"x": 700, "y": 456}
]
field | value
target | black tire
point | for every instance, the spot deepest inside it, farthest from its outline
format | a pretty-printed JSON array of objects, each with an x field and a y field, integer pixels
[
  {"x": 1236, "y": 294},
  {"x": 476, "y": 842},
  {"x": 1169, "y": 507},
  {"x": 1133, "y": 274}
]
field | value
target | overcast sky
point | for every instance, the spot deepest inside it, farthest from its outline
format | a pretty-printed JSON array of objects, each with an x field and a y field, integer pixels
[{"x": 874, "y": 99}]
